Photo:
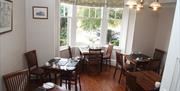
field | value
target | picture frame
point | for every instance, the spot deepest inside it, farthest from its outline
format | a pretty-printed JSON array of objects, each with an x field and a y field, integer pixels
[
  {"x": 6, "y": 16},
  {"x": 40, "y": 12}
]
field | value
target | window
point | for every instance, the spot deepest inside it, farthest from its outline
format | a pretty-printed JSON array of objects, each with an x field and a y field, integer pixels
[
  {"x": 114, "y": 25},
  {"x": 85, "y": 22},
  {"x": 88, "y": 25},
  {"x": 66, "y": 15}
]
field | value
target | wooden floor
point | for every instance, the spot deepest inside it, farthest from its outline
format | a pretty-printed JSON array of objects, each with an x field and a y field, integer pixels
[{"x": 98, "y": 82}]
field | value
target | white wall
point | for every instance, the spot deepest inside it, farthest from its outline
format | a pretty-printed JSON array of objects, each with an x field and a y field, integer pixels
[
  {"x": 13, "y": 44},
  {"x": 165, "y": 22},
  {"x": 145, "y": 31},
  {"x": 173, "y": 54},
  {"x": 42, "y": 34}
]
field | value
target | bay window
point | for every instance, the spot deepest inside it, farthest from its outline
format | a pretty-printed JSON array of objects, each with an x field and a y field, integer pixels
[{"x": 89, "y": 24}]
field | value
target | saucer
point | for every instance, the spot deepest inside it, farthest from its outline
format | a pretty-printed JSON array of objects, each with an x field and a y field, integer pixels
[{"x": 48, "y": 85}]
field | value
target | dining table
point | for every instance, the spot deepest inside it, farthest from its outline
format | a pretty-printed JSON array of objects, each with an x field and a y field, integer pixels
[
  {"x": 137, "y": 60},
  {"x": 146, "y": 80},
  {"x": 58, "y": 65},
  {"x": 56, "y": 88}
]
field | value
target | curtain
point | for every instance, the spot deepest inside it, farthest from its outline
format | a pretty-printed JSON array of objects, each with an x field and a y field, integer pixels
[{"x": 96, "y": 3}]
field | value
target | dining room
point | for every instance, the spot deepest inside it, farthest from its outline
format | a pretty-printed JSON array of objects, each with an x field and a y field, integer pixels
[{"x": 89, "y": 45}]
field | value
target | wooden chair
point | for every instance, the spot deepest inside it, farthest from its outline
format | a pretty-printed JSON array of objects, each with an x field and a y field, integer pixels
[
  {"x": 71, "y": 77},
  {"x": 153, "y": 65},
  {"x": 16, "y": 81},
  {"x": 120, "y": 64},
  {"x": 94, "y": 59},
  {"x": 131, "y": 83},
  {"x": 107, "y": 55},
  {"x": 70, "y": 52},
  {"x": 158, "y": 55},
  {"x": 33, "y": 67}
]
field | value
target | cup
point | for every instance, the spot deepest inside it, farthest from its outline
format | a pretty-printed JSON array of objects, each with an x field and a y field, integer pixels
[
  {"x": 47, "y": 64},
  {"x": 157, "y": 84},
  {"x": 54, "y": 65}
]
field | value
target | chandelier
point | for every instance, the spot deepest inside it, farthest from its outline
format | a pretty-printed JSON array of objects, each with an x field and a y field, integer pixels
[{"x": 139, "y": 4}]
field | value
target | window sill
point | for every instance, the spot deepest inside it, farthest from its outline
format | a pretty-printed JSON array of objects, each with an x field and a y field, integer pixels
[{"x": 62, "y": 48}]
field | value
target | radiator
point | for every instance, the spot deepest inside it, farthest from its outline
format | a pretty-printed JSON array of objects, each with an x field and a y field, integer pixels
[{"x": 175, "y": 85}]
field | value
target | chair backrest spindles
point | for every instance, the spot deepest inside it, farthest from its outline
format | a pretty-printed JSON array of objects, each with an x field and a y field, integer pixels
[{"x": 16, "y": 81}]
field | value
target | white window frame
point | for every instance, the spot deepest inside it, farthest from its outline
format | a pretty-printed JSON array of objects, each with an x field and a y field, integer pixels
[{"x": 104, "y": 26}]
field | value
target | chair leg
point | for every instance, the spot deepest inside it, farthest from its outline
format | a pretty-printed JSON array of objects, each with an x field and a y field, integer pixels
[
  {"x": 79, "y": 83},
  {"x": 115, "y": 72},
  {"x": 69, "y": 84},
  {"x": 120, "y": 75},
  {"x": 76, "y": 85}
]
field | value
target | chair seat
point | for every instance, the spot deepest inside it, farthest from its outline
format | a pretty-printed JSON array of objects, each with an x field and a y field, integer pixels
[{"x": 37, "y": 71}]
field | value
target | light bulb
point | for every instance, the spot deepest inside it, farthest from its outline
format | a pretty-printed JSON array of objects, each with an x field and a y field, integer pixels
[
  {"x": 131, "y": 3},
  {"x": 131, "y": 6},
  {"x": 155, "y": 5},
  {"x": 155, "y": 8}
]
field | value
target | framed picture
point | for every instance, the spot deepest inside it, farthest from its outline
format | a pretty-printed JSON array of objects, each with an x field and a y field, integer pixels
[
  {"x": 6, "y": 14},
  {"x": 40, "y": 12}
]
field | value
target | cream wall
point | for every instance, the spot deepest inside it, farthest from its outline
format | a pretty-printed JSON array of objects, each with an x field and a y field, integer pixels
[
  {"x": 152, "y": 30},
  {"x": 145, "y": 31},
  {"x": 165, "y": 21},
  {"x": 13, "y": 44},
  {"x": 42, "y": 34}
]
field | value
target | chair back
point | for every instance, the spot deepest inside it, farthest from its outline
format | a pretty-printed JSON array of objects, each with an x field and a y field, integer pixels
[
  {"x": 109, "y": 50},
  {"x": 16, "y": 81},
  {"x": 119, "y": 59},
  {"x": 158, "y": 54},
  {"x": 70, "y": 52},
  {"x": 95, "y": 55},
  {"x": 31, "y": 59},
  {"x": 154, "y": 65}
]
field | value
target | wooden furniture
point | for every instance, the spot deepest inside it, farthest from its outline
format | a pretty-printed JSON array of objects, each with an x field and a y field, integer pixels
[
  {"x": 131, "y": 84},
  {"x": 120, "y": 64},
  {"x": 158, "y": 56},
  {"x": 94, "y": 60},
  {"x": 107, "y": 55},
  {"x": 57, "y": 88},
  {"x": 33, "y": 67},
  {"x": 153, "y": 65},
  {"x": 138, "y": 60},
  {"x": 70, "y": 52},
  {"x": 84, "y": 52},
  {"x": 16, "y": 81},
  {"x": 146, "y": 80},
  {"x": 68, "y": 70}
]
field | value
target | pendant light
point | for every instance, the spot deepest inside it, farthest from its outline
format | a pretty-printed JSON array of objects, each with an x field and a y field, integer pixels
[
  {"x": 155, "y": 5},
  {"x": 131, "y": 3},
  {"x": 140, "y": 5}
]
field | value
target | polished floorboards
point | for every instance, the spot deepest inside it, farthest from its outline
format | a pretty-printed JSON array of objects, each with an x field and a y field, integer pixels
[{"x": 103, "y": 81}]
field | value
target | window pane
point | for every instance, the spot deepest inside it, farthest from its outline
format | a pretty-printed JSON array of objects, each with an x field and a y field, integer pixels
[
  {"x": 98, "y": 13},
  {"x": 88, "y": 31},
  {"x": 65, "y": 10},
  {"x": 82, "y": 11},
  {"x": 63, "y": 32},
  {"x": 112, "y": 14},
  {"x": 119, "y": 14},
  {"x": 92, "y": 12}
]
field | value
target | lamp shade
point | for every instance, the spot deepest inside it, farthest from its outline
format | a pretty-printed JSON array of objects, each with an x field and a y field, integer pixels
[
  {"x": 131, "y": 3},
  {"x": 155, "y": 5}
]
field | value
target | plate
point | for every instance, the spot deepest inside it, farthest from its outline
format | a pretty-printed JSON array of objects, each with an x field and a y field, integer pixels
[{"x": 48, "y": 85}]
